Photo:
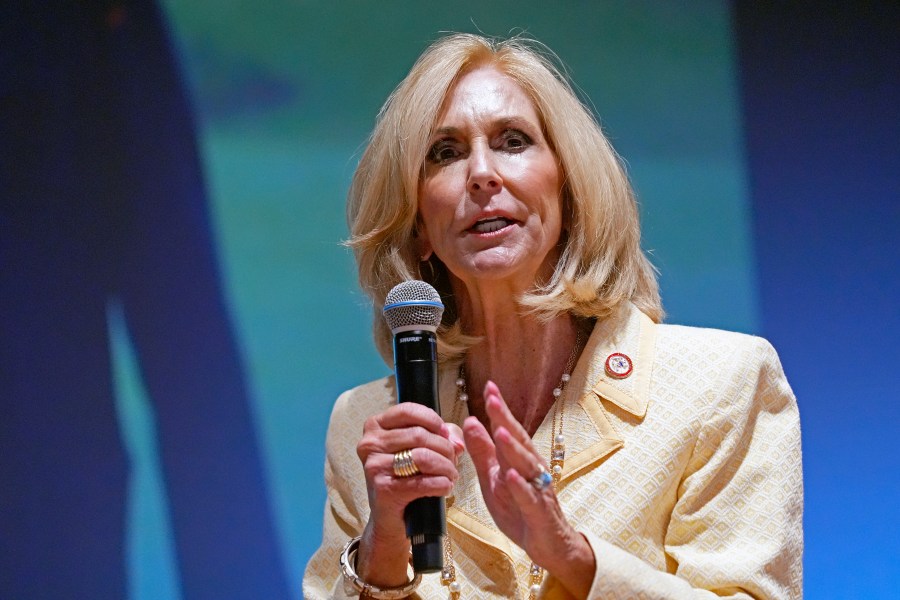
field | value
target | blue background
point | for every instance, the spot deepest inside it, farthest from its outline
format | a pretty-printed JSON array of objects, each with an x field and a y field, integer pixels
[{"x": 178, "y": 314}]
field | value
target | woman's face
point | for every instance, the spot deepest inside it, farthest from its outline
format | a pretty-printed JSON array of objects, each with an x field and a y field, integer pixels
[{"x": 489, "y": 202}]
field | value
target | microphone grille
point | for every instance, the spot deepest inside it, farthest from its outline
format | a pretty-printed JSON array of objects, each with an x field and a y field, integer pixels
[{"x": 413, "y": 305}]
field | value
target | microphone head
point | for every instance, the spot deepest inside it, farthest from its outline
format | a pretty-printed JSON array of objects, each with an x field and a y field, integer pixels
[{"x": 413, "y": 305}]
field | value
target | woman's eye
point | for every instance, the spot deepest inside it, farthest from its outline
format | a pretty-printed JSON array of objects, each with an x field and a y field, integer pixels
[
  {"x": 442, "y": 152},
  {"x": 515, "y": 140}
]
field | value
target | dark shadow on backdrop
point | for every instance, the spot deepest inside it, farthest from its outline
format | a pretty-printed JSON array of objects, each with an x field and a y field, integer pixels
[
  {"x": 102, "y": 198},
  {"x": 821, "y": 92}
]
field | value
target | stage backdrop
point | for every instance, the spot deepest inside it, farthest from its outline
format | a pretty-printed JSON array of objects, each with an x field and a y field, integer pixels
[{"x": 178, "y": 174}]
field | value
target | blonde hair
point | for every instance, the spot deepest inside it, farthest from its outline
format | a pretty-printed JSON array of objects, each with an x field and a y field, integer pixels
[{"x": 601, "y": 263}]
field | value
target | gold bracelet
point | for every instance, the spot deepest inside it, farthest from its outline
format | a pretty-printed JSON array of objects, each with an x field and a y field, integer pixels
[{"x": 353, "y": 584}]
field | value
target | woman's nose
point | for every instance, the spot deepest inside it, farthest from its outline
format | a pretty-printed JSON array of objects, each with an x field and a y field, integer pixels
[{"x": 483, "y": 173}]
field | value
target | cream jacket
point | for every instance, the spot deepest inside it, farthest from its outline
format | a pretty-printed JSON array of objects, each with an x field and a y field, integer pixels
[{"x": 685, "y": 476}]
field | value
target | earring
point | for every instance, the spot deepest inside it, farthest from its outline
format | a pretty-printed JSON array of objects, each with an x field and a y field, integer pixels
[{"x": 427, "y": 262}]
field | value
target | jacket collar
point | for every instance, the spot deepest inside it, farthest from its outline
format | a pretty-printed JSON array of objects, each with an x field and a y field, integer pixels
[
  {"x": 635, "y": 338},
  {"x": 590, "y": 436}
]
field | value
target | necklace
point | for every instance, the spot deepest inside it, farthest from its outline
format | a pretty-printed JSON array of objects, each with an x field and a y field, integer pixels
[{"x": 557, "y": 459}]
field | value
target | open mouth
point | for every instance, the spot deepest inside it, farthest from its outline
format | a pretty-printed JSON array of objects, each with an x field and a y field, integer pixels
[{"x": 491, "y": 225}]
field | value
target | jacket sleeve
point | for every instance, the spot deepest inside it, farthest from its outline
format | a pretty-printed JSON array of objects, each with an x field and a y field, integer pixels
[
  {"x": 736, "y": 528},
  {"x": 346, "y": 512}
]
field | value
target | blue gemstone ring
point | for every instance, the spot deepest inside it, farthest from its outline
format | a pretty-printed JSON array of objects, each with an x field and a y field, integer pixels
[{"x": 543, "y": 479}]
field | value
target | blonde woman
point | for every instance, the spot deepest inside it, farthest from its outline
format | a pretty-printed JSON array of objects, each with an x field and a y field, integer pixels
[{"x": 586, "y": 450}]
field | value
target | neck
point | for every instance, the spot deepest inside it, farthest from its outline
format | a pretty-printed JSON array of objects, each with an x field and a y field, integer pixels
[{"x": 524, "y": 355}]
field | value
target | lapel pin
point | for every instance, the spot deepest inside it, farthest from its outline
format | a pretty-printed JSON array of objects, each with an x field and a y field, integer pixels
[{"x": 618, "y": 365}]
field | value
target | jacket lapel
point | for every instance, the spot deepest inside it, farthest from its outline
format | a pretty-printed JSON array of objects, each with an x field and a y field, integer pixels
[{"x": 590, "y": 436}]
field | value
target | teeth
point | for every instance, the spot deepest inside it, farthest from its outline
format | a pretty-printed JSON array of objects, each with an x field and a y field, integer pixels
[{"x": 490, "y": 225}]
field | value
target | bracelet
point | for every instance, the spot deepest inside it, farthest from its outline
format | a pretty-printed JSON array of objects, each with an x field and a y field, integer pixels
[{"x": 353, "y": 584}]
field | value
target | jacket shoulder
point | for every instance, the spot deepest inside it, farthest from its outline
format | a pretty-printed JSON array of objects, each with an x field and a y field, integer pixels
[
  {"x": 357, "y": 404},
  {"x": 718, "y": 358},
  {"x": 701, "y": 344},
  {"x": 716, "y": 361},
  {"x": 708, "y": 335}
]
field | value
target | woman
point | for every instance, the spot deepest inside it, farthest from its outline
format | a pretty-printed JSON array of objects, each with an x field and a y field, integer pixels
[{"x": 586, "y": 450}]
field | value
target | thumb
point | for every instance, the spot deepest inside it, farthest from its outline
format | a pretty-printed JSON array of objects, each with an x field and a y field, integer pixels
[{"x": 455, "y": 435}]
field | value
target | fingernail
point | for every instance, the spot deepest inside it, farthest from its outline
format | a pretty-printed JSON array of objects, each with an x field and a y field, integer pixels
[
  {"x": 458, "y": 442},
  {"x": 445, "y": 431}
]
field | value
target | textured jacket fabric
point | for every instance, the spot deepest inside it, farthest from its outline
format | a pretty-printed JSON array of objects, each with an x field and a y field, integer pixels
[{"x": 685, "y": 476}]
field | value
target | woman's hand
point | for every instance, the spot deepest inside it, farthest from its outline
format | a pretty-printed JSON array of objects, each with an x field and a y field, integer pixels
[
  {"x": 435, "y": 447},
  {"x": 506, "y": 461}
]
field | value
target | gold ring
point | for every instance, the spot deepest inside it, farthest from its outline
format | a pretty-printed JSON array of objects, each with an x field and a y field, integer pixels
[{"x": 404, "y": 465}]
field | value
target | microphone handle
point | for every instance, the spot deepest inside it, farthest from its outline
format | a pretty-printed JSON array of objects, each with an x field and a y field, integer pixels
[{"x": 415, "y": 364}]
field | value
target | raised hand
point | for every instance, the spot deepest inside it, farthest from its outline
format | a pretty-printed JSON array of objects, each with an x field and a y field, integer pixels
[{"x": 506, "y": 462}]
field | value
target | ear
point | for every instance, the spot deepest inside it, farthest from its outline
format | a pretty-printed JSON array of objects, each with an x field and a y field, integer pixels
[{"x": 425, "y": 251}]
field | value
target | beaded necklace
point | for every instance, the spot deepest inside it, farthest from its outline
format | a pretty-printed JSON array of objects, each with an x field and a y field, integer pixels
[{"x": 557, "y": 459}]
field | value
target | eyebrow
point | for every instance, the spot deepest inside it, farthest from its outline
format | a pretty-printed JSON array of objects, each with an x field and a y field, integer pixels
[{"x": 504, "y": 122}]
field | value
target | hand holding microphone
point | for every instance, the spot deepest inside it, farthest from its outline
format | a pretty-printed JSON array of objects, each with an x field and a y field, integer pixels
[
  {"x": 413, "y": 311},
  {"x": 409, "y": 454}
]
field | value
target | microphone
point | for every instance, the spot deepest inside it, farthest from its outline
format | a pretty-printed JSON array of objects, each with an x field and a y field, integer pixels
[{"x": 413, "y": 312}]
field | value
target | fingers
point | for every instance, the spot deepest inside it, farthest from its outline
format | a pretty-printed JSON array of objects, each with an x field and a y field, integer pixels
[
  {"x": 528, "y": 499},
  {"x": 515, "y": 449},
  {"x": 406, "y": 426},
  {"x": 427, "y": 462},
  {"x": 389, "y": 495},
  {"x": 434, "y": 447},
  {"x": 431, "y": 465},
  {"x": 511, "y": 454},
  {"x": 407, "y": 414},
  {"x": 455, "y": 435},
  {"x": 499, "y": 414},
  {"x": 481, "y": 450},
  {"x": 389, "y": 441}
]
